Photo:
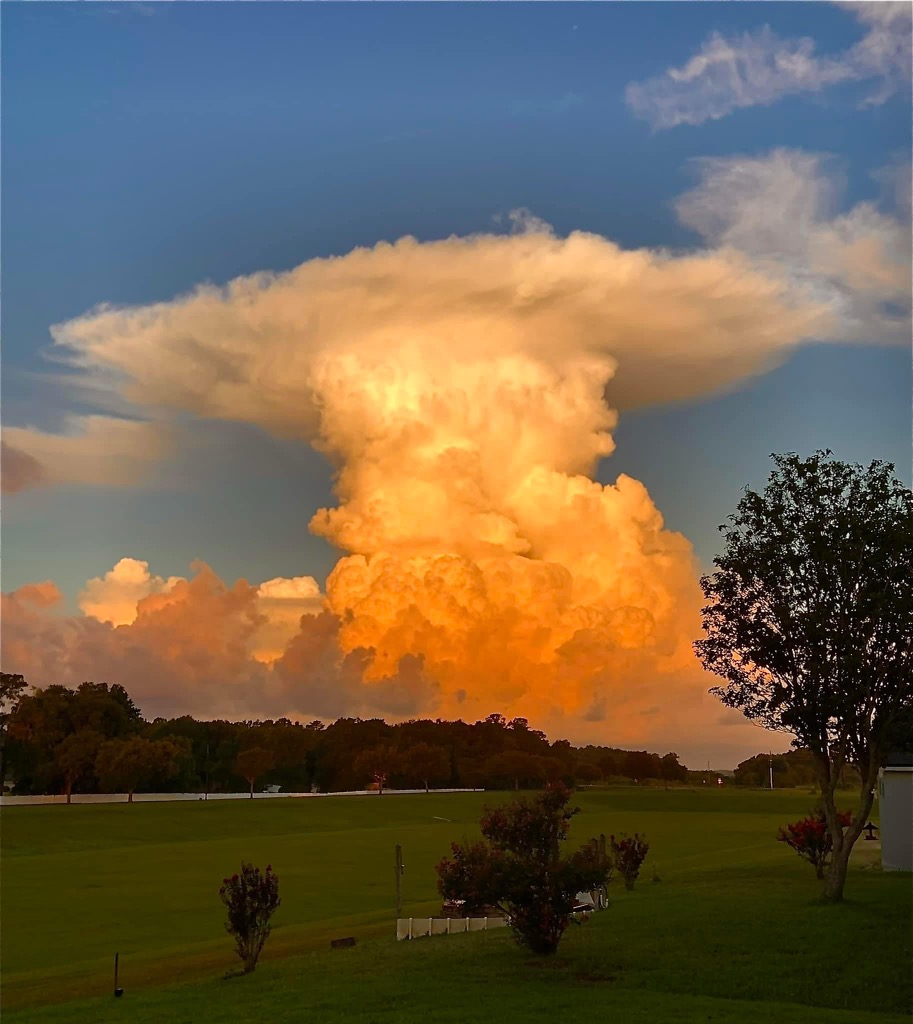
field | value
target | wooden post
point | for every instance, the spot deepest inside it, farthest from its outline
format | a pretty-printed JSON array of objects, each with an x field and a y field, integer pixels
[
  {"x": 118, "y": 992},
  {"x": 399, "y": 881}
]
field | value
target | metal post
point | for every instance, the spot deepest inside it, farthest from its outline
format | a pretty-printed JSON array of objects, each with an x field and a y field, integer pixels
[
  {"x": 399, "y": 881},
  {"x": 603, "y": 860},
  {"x": 770, "y": 765}
]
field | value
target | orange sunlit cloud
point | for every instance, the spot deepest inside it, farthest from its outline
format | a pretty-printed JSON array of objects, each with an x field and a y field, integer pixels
[{"x": 459, "y": 387}]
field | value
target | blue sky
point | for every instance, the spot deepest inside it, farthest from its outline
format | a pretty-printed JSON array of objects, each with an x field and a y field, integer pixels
[
  {"x": 696, "y": 213},
  {"x": 147, "y": 148}
]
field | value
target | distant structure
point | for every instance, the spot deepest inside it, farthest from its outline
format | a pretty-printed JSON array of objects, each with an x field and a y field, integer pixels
[{"x": 895, "y": 802}]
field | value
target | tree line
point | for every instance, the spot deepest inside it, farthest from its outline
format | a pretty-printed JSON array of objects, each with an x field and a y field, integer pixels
[
  {"x": 93, "y": 738},
  {"x": 791, "y": 770}
]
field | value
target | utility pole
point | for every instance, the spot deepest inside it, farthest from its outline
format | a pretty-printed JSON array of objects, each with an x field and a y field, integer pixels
[{"x": 399, "y": 880}]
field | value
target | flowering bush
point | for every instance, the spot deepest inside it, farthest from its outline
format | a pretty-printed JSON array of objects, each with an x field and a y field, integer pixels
[
  {"x": 628, "y": 853},
  {"x": 520, "y": 870},
  {"x": 252, "y": 898},
  {"x": 812, "y": 839}
]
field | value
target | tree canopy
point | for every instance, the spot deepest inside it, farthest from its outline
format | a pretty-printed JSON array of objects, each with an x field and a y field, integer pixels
[
  {"x": 519, "y": 867},
  {"x": 810, "y": 619},
  {"x": 343, "y": 755}
]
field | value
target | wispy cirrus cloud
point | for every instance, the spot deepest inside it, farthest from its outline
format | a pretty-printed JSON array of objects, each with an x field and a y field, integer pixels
[{"x": 759, "y": 68}]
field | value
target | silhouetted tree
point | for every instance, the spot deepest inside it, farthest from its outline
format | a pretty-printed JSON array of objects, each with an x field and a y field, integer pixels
[
  {"x": 135, "y": 763},
  {"x": 252, "y": 763},
  {"x": 76, "y": 756},
  {"x": 422, "y": 764},
  {"x": 378, "y": 764},
  {"x": 12, "y": 689},
  {"x": 810, "y": 620}
]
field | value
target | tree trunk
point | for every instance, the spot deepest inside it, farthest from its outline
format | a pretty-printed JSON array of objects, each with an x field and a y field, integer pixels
[
  {"x": 835, "y": 876},
  {"x": 69, "y": 792},
  {"x": 251, "y": 781},
  {"x": 130, "y": 797}
]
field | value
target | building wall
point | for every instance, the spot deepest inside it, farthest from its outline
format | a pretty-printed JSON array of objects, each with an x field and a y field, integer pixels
[{"x": 895, "y": 801}]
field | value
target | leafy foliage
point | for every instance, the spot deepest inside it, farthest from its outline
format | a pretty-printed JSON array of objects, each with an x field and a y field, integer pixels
[
  {"x": 126, "y": 765},
  {"x": 252, "y": 897},
  {"x": 12, "y": 689},
  {"x": 253, "y": 763},
  {"x": 76, "y": 756},
  {"x": 519, "y": 868},
  {"x": 492, "y": 753},
  {"x": 811, "y": 838},
  {"x": 810, "y": 620},
  {"x": 628, "y": 854}
]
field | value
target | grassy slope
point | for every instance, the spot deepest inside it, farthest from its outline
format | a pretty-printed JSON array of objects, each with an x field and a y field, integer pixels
[{"x": 735, "y": 918}]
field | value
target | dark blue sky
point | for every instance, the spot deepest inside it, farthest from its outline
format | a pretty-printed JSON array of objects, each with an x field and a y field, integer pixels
[{"x": 147, "y": 148}]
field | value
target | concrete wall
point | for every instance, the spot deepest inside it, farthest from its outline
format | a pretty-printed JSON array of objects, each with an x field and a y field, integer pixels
[{"x": 895, "y": 804}]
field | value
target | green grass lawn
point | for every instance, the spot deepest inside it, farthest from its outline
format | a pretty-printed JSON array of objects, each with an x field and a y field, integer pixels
[{"x": 733, "y": 931}]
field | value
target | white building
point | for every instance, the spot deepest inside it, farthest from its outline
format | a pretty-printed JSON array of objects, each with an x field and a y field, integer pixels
[{"x": 895, "y": 802}]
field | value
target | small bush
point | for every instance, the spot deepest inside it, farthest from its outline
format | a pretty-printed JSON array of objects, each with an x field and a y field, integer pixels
[
  {"x": 251, "y": 898},
  {"x": 518, "y": 868},
  {"x": 811, "y": 838},
  {"x": 628, "y": 853}
]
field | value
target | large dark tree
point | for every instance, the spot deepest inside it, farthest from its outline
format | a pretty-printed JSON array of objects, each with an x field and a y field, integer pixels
[
  {"x": 252, "y": 763},
  {"x": 520, "y": 868},
  {"x": 12, "y": 689},
  {"x": 76, "y": 757},
  {"x": 810, "y": 621},
  {"x": 130, "y": 764}
]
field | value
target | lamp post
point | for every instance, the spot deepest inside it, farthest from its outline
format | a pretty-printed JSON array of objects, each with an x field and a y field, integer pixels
[{"x": 770, "y": 766}]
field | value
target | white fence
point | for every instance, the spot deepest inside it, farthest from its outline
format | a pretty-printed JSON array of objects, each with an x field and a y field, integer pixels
[
  {"x": 421, "y": 927},
  {"x": 141, "y": 798}
]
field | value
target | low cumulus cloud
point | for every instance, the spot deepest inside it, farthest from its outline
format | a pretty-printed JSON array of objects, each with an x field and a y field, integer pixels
[
  {"x": 459, "y": 388},
  {"x": 760, "y": 68}
]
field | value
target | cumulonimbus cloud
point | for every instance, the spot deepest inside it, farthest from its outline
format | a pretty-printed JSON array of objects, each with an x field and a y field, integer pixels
[
  {"x": 760, "y": 68},
  {"x": 460, "y": 389}
]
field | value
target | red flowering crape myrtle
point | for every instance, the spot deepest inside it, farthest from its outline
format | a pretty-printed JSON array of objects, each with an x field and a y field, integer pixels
[
  {"x": 812, "y": 839},
  {"x": 252, "y": 898},
  {"x": 518, "y": 867},
  {"x": 628, "y": 854}
]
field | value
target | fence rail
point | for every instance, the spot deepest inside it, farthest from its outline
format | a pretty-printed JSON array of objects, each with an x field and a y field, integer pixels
[
  {"x": 422, "y": 927},
  {"x": 141, "y": 798}
]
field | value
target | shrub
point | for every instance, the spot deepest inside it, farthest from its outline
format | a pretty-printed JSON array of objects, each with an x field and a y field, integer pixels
[
  {"x": 812, "y": 839},
  {"x": 251, "y": 898},
  {"x": 628, "y": 853},
  {"x": 519, "y": 868}
]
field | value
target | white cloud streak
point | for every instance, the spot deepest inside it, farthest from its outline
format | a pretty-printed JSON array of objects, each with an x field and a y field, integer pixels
[{"x": 759, "y": 68}]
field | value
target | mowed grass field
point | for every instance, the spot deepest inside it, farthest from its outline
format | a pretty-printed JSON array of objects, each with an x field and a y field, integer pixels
[{"x": 733, "y": 931}]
